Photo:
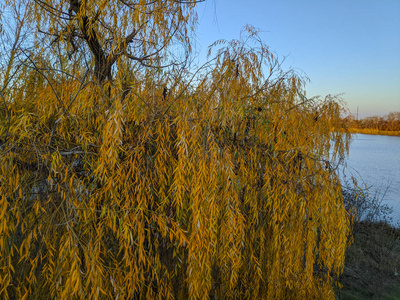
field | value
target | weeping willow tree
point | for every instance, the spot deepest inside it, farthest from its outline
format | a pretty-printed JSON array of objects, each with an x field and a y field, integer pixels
[{"x": 222, "y": 187}]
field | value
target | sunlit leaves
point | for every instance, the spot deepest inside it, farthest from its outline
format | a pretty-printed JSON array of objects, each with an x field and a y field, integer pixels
[
  {"x": 223, "y": 189},
  {"x": 138, "y": 32}
]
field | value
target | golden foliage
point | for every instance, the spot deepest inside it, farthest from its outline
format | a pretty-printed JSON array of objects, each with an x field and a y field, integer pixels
[{"x": 224, "y": 190}]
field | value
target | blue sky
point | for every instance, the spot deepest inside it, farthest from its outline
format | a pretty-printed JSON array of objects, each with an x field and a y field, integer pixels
[{"x": 344, "y": 46}]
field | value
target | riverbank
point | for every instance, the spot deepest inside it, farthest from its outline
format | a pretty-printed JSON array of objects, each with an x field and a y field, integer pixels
[
  {"x": 374, "y": 131},
  {"x": 372, "y": 265}
]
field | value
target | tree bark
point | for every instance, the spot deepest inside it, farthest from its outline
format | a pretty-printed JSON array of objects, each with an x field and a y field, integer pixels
[{"x": 102, "y": 63}]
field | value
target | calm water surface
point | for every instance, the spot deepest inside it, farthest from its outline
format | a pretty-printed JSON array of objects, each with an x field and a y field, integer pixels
[{"x": 375, "y": 161}]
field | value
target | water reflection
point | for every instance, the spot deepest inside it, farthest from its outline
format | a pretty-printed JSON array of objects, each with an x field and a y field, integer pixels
[{"x": 375, "y": 161}]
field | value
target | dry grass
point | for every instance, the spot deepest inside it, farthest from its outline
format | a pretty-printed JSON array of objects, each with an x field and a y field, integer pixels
[
  {"x": 374, "y": 131},
  {"x": 372, "y": 263}
]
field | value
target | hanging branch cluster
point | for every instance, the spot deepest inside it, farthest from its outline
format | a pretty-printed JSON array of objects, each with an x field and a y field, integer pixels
[
  {"x": 137, "y": 31},
  {"x": 220, "y": 187}
]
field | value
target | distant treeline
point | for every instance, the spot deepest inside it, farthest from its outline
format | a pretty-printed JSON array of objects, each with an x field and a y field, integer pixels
[{"x": 389, "y": 122}]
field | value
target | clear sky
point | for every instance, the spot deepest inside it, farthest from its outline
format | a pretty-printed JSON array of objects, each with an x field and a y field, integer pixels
[{"x": 344, "y": 46}]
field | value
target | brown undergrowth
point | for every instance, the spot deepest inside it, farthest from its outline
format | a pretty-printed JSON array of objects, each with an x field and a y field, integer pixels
[{"x": 372, "y": 262}]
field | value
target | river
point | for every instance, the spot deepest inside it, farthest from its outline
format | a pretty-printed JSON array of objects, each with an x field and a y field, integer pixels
[{"x": 375, "y": 161}]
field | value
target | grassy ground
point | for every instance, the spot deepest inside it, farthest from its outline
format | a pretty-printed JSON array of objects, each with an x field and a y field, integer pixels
[
  {"x": 372, "y": 267},
  {"x": 374, "y": 131}
]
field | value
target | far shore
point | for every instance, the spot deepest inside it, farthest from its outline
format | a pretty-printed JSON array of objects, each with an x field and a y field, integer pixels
[{"x": 374, "y": 131}]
